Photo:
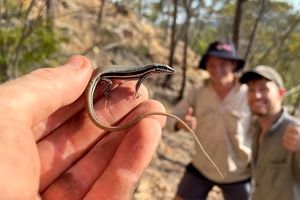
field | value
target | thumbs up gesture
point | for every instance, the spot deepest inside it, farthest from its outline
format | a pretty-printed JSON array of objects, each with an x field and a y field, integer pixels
[
  {"x": 291, "y": 138},
  {"x": 189, "y": 119}
]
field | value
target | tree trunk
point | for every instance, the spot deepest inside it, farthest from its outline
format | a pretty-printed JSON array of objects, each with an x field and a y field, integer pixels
[
  {"x": 185, "y": 52},
  {"x": 173, "y": 42},
  {"x": 189, "y": 13},
  {"x": 166, "y": 15},
  {"x": 259, "y": 16},
  {"x": 237, "y": 22},
  {"x": 13, "y": 64},
  {"x": 100, "y": 13},
  {"x": 281, "y": 40},
  {"x": 50, "y": 14}
]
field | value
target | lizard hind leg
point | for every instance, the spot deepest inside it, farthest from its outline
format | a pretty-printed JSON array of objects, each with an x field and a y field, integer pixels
[{"x": 107, "y": 89}]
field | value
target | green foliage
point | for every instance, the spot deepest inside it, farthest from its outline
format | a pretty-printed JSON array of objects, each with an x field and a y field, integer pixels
[
  {"x": 40, "y": 46},
  {"x": 154, "y": 12},
  {"x": 276, "y": 41},
  {"x": 25, "y": 41},
  {"x": 207, "y": 35}
]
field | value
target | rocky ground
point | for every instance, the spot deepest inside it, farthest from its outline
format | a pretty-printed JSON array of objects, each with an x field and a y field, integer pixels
[{"x": 167, "y": 167}]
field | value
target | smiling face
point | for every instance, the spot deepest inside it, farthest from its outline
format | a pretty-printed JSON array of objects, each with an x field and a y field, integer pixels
[
  {"x": 221, "y": 70},
  {"x": 264, "y": 97}
]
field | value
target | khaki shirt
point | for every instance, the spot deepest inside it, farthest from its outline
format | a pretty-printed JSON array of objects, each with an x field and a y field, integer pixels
[
  {"x": 275, "y": 170},
  {"x": 222, "y": 128}
]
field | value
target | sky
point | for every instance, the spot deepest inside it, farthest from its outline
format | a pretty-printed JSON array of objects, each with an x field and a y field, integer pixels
[{"x": 295, "y": 3}]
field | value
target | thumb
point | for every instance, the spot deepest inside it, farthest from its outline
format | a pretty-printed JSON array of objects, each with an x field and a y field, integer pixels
[{"x": 35, "y": 96}]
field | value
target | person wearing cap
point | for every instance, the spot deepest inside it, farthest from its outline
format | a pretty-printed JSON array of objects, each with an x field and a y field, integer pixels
[
  {"x": 219, "y": 114},
  {"x": 276, "y": 137}
]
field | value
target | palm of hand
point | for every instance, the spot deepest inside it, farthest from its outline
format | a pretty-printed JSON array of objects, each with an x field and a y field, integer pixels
[{"x": 52, "y": 148}]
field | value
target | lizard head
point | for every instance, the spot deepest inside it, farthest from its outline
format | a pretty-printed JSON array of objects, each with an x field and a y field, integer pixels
[{"x": 163, "y": 69}]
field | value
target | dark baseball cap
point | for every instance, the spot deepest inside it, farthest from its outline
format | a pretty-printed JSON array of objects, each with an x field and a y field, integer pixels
[
  {"x": 222, "y": 50},
  {"x": 262, "y": 71}
]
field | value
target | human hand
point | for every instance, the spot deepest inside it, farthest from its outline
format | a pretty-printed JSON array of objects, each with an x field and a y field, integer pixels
[
  {"x": 49, "y": 146},
  {"x": 189, "y": 119},
  {"x": 291, "y": 138}
]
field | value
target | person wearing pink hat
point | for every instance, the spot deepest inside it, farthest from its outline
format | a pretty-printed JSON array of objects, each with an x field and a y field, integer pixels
[{"x": 219, "y": 114}]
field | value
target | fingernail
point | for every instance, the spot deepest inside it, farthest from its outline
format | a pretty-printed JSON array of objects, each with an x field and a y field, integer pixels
[{"x": 75, "y": 62}]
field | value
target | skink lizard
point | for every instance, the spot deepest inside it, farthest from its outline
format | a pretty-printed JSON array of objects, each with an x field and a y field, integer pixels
[{"x": 138, "y": 73}]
